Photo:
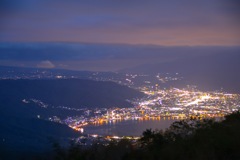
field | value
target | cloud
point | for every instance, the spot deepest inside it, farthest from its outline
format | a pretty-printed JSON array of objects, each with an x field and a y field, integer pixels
[{"x": 46, "y": 64}]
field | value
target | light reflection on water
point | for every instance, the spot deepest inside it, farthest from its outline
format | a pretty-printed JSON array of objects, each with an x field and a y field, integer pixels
[{"x": 128, "y": 127}]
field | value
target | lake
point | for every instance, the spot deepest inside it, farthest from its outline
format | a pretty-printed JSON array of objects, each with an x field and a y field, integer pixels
[{"x": 127, "y": 127}]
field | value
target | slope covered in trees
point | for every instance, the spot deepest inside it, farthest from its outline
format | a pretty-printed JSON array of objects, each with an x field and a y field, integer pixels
[{"x": 193, "y": 139}]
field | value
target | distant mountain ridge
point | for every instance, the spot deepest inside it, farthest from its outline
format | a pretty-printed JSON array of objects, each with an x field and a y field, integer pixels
[
  {"x": 207, "y": 71},
  {"x": 69, "y": 92}
]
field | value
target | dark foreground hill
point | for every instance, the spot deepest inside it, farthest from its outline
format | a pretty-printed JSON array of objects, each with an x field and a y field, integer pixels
[{"x": 21, "y": 134}]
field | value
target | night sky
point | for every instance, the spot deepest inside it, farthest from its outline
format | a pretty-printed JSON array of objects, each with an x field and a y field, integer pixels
[
  {"x": 160, "y": 22},
  {"x": 101, "y": 34}
]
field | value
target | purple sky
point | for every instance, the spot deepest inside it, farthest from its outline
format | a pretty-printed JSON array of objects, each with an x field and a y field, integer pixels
[{"x": 158, "y": 22}]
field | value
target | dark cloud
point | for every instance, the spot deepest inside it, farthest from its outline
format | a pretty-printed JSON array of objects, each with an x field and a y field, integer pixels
[{"x": 232, "y": 9}]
